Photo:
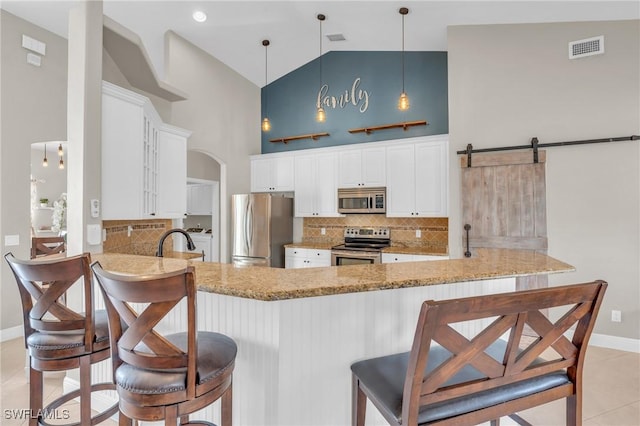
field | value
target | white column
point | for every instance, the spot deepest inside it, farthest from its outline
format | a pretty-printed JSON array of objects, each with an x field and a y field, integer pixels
[{"x": 84, "y": 118}]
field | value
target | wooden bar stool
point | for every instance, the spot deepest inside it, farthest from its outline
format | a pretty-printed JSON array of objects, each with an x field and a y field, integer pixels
[
  {"x": 163, "y": 376},
  {"x": 46, "y": 246},
  {"x": 57, "y": 337},
  {"x": 449, "y": 379}
]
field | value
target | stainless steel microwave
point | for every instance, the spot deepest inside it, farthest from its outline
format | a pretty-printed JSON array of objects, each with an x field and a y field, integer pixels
[{"x": 362, "y": 200}]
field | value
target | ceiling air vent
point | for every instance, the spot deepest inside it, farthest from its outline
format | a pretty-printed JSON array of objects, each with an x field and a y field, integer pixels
[
  {"x": 587, "y": 47},
  {"x": 336, "y": 37}
]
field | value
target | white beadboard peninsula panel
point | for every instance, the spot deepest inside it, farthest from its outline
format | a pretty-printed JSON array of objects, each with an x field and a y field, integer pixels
[{"x": 294, "y": 355}]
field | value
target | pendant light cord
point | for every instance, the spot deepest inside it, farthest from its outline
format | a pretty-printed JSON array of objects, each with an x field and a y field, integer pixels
[
  {"x": 402, "y": 53},
  {"x": 321, "y": 18},
  {"x": 266, "y": 91}
]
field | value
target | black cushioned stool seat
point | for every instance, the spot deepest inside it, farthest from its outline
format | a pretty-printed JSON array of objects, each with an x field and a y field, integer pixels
[
  {"x": 49, "y": 345},
  {"x": 216, "y": 355}
]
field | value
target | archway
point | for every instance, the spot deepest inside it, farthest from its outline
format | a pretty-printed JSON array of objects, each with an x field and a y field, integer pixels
[
  {"x": 48, "y": 192},
  {"x": 206, "y": 166}
]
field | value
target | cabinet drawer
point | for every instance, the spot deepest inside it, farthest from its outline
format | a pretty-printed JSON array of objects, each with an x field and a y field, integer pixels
[{"x": 306, "y": 257}]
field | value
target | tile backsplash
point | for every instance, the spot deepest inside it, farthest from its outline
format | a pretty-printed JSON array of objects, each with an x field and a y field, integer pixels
[
  {"x": 136, "y": 236},
  {"x": 434, "y": 231}
]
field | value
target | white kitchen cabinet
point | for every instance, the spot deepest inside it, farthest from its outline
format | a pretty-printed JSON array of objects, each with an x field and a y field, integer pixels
[
  {"x": 272, "y": 174},
  {"x": 402, "y": 257},
  {"x": 143, "y": 159},
  {"x": 200, "y": 199},
  {"x": 362, "y": 168},
  {"x": 315, "y": 187},
  {"x": 203, "y": 245},
  {"x": 172, "y": 172},
  {"x": 417, "y": 179},
  {"x": 128, "y": 156},
  {"x": 306, "y": 258}
]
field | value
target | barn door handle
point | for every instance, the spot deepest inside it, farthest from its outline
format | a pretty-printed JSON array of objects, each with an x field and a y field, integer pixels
[{"x": 467, "y": 253}]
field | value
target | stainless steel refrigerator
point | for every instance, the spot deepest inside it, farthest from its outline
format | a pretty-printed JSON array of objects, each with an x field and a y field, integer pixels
[{"x": 262, "y": 225}]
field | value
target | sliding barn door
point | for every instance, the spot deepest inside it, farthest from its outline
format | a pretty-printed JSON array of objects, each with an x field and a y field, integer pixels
[{"x": 504, "y": 201}]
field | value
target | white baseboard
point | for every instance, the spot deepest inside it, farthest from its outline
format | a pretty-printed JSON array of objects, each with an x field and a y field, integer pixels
[
  {"x": 11, "y": 333},
  {"x": 615, "y": 342}
]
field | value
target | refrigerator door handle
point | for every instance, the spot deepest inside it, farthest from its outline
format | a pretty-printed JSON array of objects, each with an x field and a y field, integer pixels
[
  {"x": 246, "y": 227},
  {"x": 250, "y": 223}
]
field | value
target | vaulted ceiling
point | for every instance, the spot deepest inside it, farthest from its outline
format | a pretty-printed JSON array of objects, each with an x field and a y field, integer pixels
[{"x": 234, "y": 30}]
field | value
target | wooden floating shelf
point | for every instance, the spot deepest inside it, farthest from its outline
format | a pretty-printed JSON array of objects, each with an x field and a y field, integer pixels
[
  {"x": 312, "y": 136},
  {"x": 404, "y": 126}
]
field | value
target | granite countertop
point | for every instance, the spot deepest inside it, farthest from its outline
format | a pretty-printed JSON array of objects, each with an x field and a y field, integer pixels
[
  {"x": 431, "y": 251},
  {"x": 263, "y": 283},
  {"x": 186, "y": 255}
]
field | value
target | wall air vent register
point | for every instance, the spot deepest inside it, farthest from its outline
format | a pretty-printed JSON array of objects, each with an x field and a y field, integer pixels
[{"x": 586, "y": 47}]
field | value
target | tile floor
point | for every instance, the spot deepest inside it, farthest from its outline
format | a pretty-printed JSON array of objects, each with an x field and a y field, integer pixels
[{"x": 611, "y": 393}]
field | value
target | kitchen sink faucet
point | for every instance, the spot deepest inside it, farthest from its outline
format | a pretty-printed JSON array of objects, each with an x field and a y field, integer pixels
[{"x": 190, "y": 245}]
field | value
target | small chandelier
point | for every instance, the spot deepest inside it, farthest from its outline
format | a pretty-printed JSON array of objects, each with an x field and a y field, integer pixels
[
  {"x": 266, "y": 124},
  {"x": 320, "y": 114},
  {"x": 61, "y": 155},
  {"x": 45, "y": 162},
  {"x": 403, "y": 101}
]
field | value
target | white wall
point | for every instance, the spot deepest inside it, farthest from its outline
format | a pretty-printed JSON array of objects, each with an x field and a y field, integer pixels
[
  {"x": 509, "y": 83},
  {"x": 201, "y": 166},
  {"x": 222, "y": 111},
  {"x": 34, "y": 108}
]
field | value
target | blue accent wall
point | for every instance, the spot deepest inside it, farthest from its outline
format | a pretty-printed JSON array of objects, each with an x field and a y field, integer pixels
[{"x": 290, "y": 101}]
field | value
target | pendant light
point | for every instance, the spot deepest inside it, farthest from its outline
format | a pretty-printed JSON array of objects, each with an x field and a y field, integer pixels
[
  {"x": 266, "y": 124},
  {"x": 320, "y": 115},
  {"x": 403, "y": 101},
  {"x": 45, "y": 163},
  {"x": 61, "y": 155}
]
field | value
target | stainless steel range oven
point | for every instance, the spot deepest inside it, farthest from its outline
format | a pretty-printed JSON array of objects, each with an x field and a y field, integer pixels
[{"x": 361, "y": 246}]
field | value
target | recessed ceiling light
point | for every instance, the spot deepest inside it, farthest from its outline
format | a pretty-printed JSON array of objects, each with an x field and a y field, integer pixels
[{"x": 199, "y": 16}]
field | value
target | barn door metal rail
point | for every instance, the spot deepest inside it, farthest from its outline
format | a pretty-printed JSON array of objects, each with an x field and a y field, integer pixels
[{"x": 535, "y": 145}]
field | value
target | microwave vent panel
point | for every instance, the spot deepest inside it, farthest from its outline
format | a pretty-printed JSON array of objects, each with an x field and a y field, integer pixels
[{"x": 586, "y": 47}]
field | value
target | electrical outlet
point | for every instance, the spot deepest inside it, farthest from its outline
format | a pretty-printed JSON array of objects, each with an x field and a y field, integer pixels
[
  {"x": 616, "y": 316},
  {"x": 12, "y": 240},
  {"x": 418, "y": 233},
  {"x": 323, "y": 231}
]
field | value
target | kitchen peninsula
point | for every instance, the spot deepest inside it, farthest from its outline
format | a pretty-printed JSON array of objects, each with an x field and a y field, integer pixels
[{"x": 298, "y": 330}]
